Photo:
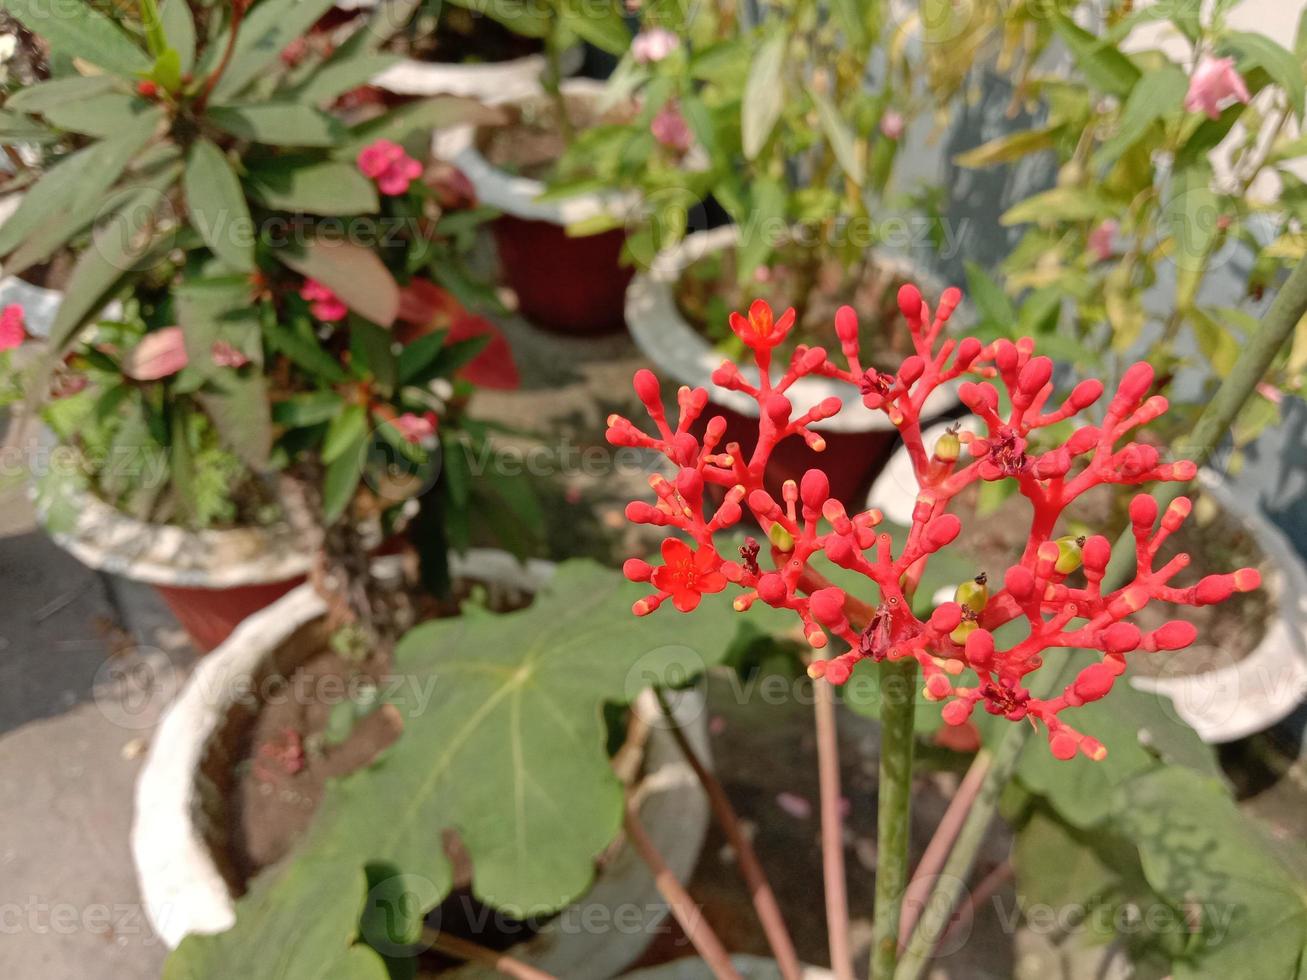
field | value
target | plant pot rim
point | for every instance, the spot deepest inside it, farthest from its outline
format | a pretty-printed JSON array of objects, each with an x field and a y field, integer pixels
[
  {"x": 107, "y": 540},
  {"x": 517, "y": 196},
  {"x": 1233, "y": 701},
  {"x": 485, "y": 81},
  {"x": 667, "y": 339},
  {"x": 184, "y": 891}
]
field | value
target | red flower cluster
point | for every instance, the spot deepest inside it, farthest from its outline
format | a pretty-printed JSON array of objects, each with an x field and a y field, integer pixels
[{"x": 1055, "y": 585}]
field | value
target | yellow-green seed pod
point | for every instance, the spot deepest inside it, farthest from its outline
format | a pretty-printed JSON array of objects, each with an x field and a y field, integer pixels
[
  {"x": 780, "y": 538},
  {"x": 948, "y": 447},
  {"x": 1068, "y": 554},
  {"x": 973, "y": 595},
  {"x": 962, "y": 631}
]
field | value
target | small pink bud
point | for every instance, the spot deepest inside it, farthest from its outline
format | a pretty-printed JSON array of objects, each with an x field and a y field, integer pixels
[
  {"x": 815, "y": 489},
  {"x": 980, "y": 648},
  {"x": 1094, "y": 682},
  {"x": 1034, "y": 375},
  {"x": 968, "y": 350},
  {"x": 762, "y": 504},
  {"x": 911, "y": 369},
  {"x": 1085, "y": 394},
  {"x": 942, "y": 530},
  {"x": 938, "y": 686},
  {"x": 1175, "y": 635},
  {"x": 771, "y": 589},
  {"x": 646, "y": 389},
  {"x": 1063, "y": 746},
  {"x": 1135, "y": 383},
  {"x": 637, "y": 570},
  {"x": 846, "y": 324},
  {"x": 1020, "y": 582},
  {"x": 1121, "y": 638},
  {"x": 1176, "y": 513},
  {"x": 1083, "y": 440},
  {"x": 1096, "y": 552},
  {"x": 827, "y": 606},
  {"x": 956, "y": 712},
  {"x": 778, "y": 408},
  {"x": 946, "y": 617},
  {"x": 1143, "y": 511},
  {"x": 910, "y": 301}
]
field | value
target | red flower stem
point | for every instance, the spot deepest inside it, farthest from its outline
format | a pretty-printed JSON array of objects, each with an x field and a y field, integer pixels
[
  {"x": 832, "y": 832},
  {"x": 237, "y": 16},
  {"x": 1277, "y": 327},
  {"x": 764, "y": 899},
  {"x": 941, "y": 843},
  {"x": 683, "y": 907},
  {"x": 470, "y": 951}
]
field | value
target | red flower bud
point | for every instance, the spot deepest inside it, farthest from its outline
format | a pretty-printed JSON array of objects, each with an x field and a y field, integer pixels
[
  {"x": 1135, "y": 383},
  {"x": 946, "y": 617},
  {"x": 1176, "y": 513},
  {"x": 1034, "y": 376},
  {"x": 938, "y": 686},
  {"x": 762, "y": 504},
  {"x": 956, "y": 712},
  {"x": 637, "y": 570},
  {"x": 778, "y": 408},
  {"x": 911, "y": 369},
  {"x": 646, "y": 389},
  {"x": 1085, "y": 394},
  {"x": 1213, "y": 589},
  {"x": 846, "y": 324},
  {"x": 689, "y": 482},
  {"x": 1094, "y": 682},
  {"x": 1083, "y": 439},
  {"x": 1121, "y": 638},
  {"x": 1175, "y": 635},
  {"x": 1063, "y": 745},
  {"x": 827, "y": 606},
  {"x": 942, "y": 530},
  {"x": 815, "y": 489},
  {"x": 979, "y": 649},
  {"x": 1096, "y": 553},
  {"x": 910, "y": 301},
  {"x": 1019, "y": 582},
  {"x": 771, "y": 589},
  {"x": 1005, "y": 355},
  {"x": 968, "y": 350},
  {"x": 1143, "y": 511}
]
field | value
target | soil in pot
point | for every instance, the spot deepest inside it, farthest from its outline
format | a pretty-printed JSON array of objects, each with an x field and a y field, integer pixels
[
  {"x": 463, "y": 36},
  {"x": 1214, "y": 539},
  {"x": 567, "y": 284}
]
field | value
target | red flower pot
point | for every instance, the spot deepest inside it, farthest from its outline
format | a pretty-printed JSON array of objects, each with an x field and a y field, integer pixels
[
  {"x": 570, "y": 285},
  {"x": 209, "y": 616}
]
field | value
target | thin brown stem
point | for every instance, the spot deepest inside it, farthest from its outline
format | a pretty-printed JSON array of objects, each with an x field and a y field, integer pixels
[
  {"x": 683, "y": 907},
  {"x": 237, "y": 16},
  {"x": 760, "y": 890},
  {"x": 470, "y": 951},
  {"x": 941, "y": 843}
]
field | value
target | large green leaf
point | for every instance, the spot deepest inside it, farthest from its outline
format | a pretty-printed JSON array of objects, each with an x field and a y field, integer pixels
[
  {"x": 599, "y": 23},
  {"x": 278, "y": 124},
  {"x": 352, "y": 272},
  {"x": 76, "y": 185},
  {"x": 327, "y": 187},
  {"x": 302, "y": 925},
  {"x": 764, "y": 95},
  {"x": 217, "y": 205},
  {"x": 264, "y": 34},
  {"x": 840, "y": 136},
  {"x": 1259, "y": 51},
  {"x": 343, "y": 476},
  {"x": 339, "y": 75},
  {"x": 1060, "y": 204},
  {"x": 511, "y": 747},
  {"x": 1200, "y": 853},
  {"x": 1102, "y": 63},
  {"x": 74, "y": 29},
  {"x": 102, "y": 115}
]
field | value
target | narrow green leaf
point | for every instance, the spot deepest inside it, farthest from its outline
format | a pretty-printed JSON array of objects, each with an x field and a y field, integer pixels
[
  {"x": 264, "y": 34},
  {"x": 1159, "y": 94},
  {"x": 988, "y": 296},
  {"x": 1005, "y": 149},
  {"x": 766, "y": 213},
  {"x": 278, "y": 124},
  {"x": 412, "y": 124},
  {"x": 342, "y": 478},
  {"x": 75, "y": 29},
  {"x": 179, "y": 28},
  {"x": 38, "y": 98},
  {"x": 1103, "y": 64},
  {"x": 840, "y": 136},
  {"x": 310, "y": 408},
  {"x": 764, "y": 95},
  {"x": 1259, "y": 51},
  {"x": 217, "y": 205},
  {"x": 341, "y": 75},
  {"x": 599, "y": 23},
  {"x": 345, "y": 430},
  {"x": 1060, "y": 204},
  {"x": 1192, "y": 214},
  {"x": 102, "y": 115},
  {"x": 327, "y": 187},
  {"x": 167, "y": 71},
  {"x": 418, "y": 355}
]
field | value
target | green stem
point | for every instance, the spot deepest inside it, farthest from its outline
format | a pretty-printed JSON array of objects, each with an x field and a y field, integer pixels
[
  {"x": 1277, "y": 327},
  {"x": 898, "y": 688},
  {"x": 552, "y": 81}
]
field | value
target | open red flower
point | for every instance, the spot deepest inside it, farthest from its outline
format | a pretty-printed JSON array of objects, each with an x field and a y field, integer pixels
[
  {"x": 761, "y": 330},
  {"x": 688, "y": 575}
]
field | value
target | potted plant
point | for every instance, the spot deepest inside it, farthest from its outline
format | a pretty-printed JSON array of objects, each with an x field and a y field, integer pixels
[
  {"x": 802, "y": 158},
  {"x": 481, "y": 51},
  {"x": 559, "y": 253},
  {"x": 248, "y": 255}
]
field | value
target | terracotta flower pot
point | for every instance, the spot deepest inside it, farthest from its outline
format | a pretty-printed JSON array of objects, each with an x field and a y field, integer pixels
[
  {"x": 858, "y": 441},
  {"x": 566, "y": 284}
]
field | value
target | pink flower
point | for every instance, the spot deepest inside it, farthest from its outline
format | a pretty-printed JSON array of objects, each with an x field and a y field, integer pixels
[
  {"x": 386, "y": 162},
  {"x": 158, "y": 355},
  {"x": 323, "y": 303},
  {"x": 13, "y": 331},
  {"x": 892, "y": 125},
  {"x": 1101, "y": 240},
  {"x": 653, "y": 45},
  {"x": 414, "y": 428},
  {"x": 1215, "y": 83},
  {"x": 225, "y": 355},
  {"x": 671, "y": 130}
]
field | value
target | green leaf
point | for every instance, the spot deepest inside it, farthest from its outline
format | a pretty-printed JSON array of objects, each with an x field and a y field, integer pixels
[
  {"x": 302, "y": 347},
  {"x": 343, "y": 476},
  {"x": 849, "y": 15},
  {"x": 1259, "y": 51},
  {"x": 278, "y": 124},
  {"x": 352, "y": 272},
  {"x": 270, "y": 940},
  {"x": 599, "y": 23},
  {"x": 371, "y": 351},
  {"x": 264, "y": 34},
  {"x": 346, "y": 430},
  {"x": 1007, "y": 148},
  {"x": 412, "y": 124},
  {"x": 767, "y": 199},
  {"x": 1159, "y": 93},
  {"x": 1103, "y": 65},
  {"x": 418, "y": 356},
  {"x": 1200, "y": 853},
  {"x": 327, "y": 187},
  {"x": 841, "y": 138},
  {"x": 1218, "y": 344},
  {"x": 179, "y": 29},
  {"x": 764, "y": 95},
  {"x": 308, "y": 409},
  {"x": 1191, "y": 213},
  {"x": 1060, "y": 204},
  {"x": 519, "y": 763},
  {"x": 988, "y": 296},
  {"x": 340, "y": 75},
  {"x": 101, "y": 115},
  {"x": 76, "y": 30},
  {"x": 36, "y": 99},
  {"x": 217, "y": 205},
  {"x": 76, "y": 186}
]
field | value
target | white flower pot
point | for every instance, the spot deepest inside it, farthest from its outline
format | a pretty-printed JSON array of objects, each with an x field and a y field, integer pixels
[
  {"x": 39, "y": 305},
  {"x": 1234, "y": 701},
  {"x": 184, "y": 892},
  {"x": 486, "y": 82}
]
